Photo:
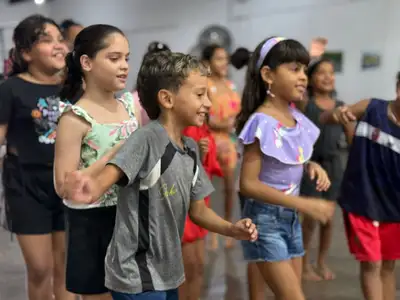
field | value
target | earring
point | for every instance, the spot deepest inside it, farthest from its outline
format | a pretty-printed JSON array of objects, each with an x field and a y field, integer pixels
[{"x": 269, "y": 93}]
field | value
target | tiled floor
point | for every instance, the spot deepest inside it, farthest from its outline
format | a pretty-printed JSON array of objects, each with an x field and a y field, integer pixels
[{"x": 225, "y": 272}]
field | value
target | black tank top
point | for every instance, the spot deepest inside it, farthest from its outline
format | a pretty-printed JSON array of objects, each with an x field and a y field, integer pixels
[{"x": 328, "y": 142}]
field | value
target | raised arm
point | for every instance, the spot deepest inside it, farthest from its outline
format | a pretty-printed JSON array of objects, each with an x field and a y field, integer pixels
[{"x": 345, "y": 114}]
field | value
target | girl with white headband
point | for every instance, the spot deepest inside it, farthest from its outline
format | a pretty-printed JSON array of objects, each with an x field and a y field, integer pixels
[{"x": 277, "y": 142}]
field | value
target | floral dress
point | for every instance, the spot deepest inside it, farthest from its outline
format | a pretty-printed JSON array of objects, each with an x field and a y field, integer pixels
[{"x": 99, "y": 140}]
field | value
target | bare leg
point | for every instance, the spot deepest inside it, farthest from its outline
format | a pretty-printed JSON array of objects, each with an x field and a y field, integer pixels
[
  {"x": 297, "y": 264},
  {"x": 325, "y": 239},
  {"x": 371, "y": 283},
  {"x": 282, "y": 279},
  {"x": 255, "y": 282},
  {"x": 309, "y": 225},
  {"x": 38, "y": 256},
  {"x": 388, "y": 279},
  {"x": 193, "y": 259},
  {"x": 229, "y": 184}
]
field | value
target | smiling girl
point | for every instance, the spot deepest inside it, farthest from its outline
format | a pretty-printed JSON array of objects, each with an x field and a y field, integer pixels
[
  {"x": 89, "y": 134},
  {"x": 29, "y": 109}
]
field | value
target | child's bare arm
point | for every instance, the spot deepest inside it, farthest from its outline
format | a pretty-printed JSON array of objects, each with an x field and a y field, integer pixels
[
  {"x": 345, "y": 114},
  {"x": 70, "y": 132}
]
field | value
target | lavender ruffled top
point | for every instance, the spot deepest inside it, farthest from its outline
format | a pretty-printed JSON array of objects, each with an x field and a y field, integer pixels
[{"x": 285, "y": 149}]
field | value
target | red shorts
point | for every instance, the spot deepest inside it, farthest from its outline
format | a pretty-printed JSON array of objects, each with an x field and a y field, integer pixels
[
  {"x": 192, "y": 231},
  {"x": 371, "y": 240}
]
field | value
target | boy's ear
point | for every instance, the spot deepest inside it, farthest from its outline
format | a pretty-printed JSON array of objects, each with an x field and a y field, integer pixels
[{"x": 165, "y": 98}]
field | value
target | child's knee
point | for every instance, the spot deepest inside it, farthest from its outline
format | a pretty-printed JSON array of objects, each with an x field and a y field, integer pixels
[
  {"x": 388, "y": 267},
  {"x": 309, "y": 224},
  {"x": 194, "y": 269},
  {"x": 369, "y": 267}
]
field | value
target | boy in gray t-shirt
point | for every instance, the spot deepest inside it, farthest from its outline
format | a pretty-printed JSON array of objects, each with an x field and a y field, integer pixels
[{"x": 162, "y": 179}]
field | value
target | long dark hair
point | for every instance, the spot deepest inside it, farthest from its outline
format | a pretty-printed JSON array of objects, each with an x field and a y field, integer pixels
[
  {"x": 88, "y": 42},
  {"x": 240, "y": 58},
  {"x": 255, "y": 89},
  {"x": 25, "y": 36}
]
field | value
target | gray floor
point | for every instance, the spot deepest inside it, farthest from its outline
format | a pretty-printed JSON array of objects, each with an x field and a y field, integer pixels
[{"x": 225, "y": 272}]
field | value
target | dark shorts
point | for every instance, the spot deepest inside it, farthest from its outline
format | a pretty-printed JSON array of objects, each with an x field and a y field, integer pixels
[
  {"x": 89, "y": 231},
  {"x": 279, "y": 233},
  {"x": 31, "y": 203},
  {"x": 334, "y": 169},
  {"x": 153, "y": 295}
]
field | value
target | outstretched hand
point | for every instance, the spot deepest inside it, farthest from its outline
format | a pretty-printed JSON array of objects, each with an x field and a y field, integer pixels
[
  {"x": 343, "y": 115},
  {"x": 244, "y": 229},
  {"x": 318, "y": 46},
  {"x": 79, "y": 187}
]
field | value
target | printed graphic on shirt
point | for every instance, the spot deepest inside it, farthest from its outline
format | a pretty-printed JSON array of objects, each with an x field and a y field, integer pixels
[{"x": 45, "y": 118}]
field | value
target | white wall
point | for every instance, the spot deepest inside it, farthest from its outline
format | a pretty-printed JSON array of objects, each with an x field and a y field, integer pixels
[
  {"x": 352, "y": 26},
  {"x": 10, "y": 15}
]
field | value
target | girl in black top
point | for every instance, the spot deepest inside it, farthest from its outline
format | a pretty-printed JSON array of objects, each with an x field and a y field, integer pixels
[
  {"x": 321, "y": 97},
  {"x": 29, "y": 109}
]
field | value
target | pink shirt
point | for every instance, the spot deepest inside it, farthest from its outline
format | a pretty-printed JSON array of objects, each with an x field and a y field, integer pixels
[{"x": 142, "y": 116}]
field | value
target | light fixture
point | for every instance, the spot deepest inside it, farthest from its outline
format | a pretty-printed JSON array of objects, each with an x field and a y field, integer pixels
[{"x": 39, "y": 2}]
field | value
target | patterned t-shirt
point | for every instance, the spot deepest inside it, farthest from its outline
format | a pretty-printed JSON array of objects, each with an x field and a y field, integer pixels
[{"x": 31, "y": 112}]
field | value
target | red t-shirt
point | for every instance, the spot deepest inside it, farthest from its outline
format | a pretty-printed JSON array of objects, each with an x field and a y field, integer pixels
[{"x": 210, "y": 162}]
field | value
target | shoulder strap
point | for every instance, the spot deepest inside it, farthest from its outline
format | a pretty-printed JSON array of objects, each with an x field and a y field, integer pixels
[
  {"x": 128, "y": 101},
  {"x": 80, "y": 112},
  {"x": 134, "y": 104}
]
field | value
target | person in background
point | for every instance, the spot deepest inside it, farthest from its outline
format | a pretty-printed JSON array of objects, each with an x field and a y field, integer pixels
[
  {"x": 29, "y": 111},
  {"x": 141, "y": 114},
  {"x": 7, "y": 66},
  {"x": 256, "y": 285},
  {"x": 370, "y": 192},
  {"x": 88, "y": 135},
  {"x": 226, "y": 106},
  {"x": 70, "y": 29},
  {"x": 193, "y": 248},
  {"x": 321, "y": 97}
]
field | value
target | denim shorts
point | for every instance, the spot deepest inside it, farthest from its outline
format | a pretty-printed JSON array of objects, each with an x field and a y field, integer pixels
[
  {"x": 152, "y": 295},
  {"x": 279, "y": 233}
]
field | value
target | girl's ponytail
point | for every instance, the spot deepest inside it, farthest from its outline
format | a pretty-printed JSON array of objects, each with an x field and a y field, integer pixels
[
  {"x": 240, "y": 58},
  {"x": 74, "y": 78},
  {"x": 254, "y": 92}
]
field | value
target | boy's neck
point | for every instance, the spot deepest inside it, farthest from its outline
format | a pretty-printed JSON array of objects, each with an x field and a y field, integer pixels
[{"x": 173, "y": 127}]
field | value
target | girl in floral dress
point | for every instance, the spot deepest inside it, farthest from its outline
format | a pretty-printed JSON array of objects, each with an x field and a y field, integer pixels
[{"x": 89, "y": 134}]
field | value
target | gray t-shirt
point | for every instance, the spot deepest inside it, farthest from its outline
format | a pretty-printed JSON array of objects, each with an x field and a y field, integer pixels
[{"x": 159, "y": 182}]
